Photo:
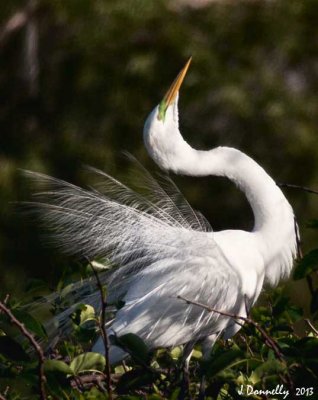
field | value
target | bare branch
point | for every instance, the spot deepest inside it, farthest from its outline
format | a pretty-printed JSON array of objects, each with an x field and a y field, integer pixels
[
  {"x": 35, "y": 345},
  {"x": 84, "y": 382},
  {"x": 102, "y": 322},
  {"x": 269, "y": 341}
]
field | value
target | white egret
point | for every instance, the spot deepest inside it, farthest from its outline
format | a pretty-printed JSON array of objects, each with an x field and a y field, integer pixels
[{"x": 164, "y": 249}]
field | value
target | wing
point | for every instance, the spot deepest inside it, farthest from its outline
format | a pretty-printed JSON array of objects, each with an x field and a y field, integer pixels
[{"x": 160, "y": 246}]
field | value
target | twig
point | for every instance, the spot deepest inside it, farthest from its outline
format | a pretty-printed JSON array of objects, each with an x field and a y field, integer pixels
[
  {"x": 309, "y": 323},
  {"x": 247, "y": 345},
  {"x": 299, "y": 187},
  {"x": 6, "y": 299},
  {"x": 102, "y": 322},
  {"x": 35, "y": 345}
]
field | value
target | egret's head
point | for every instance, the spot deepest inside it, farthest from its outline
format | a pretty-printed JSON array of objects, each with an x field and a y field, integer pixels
[{"x": 161, "y": 131}]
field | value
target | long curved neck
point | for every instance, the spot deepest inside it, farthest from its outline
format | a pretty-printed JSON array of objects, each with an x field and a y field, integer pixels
[
  {"x": 266, "y": 199},
  {"x": 274, "y": 231}
]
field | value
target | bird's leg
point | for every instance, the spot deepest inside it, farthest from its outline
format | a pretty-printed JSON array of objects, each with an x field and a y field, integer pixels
[
  {"x": 247, "y": 306},
  {"x": 206, "y": 346},
  {"x": 202, "y": 388},
  {"x": 185, "y": 380}
]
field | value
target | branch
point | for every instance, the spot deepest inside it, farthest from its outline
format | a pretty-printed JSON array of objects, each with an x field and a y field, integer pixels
[
  {"x": 87, "y": 381},
  {"x": 299, "y": 187},
  {"x": 102, "y": 322},
  {"x": 272, "y": 344},
  {"x": 269, "y": 341},
  {"x": 35, "y": 345}
]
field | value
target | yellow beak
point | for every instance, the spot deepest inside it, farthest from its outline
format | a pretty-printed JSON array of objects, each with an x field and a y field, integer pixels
[{"x": 172, "y": 92}]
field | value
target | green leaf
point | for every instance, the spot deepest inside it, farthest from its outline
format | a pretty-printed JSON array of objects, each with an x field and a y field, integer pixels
[
  {"x": 92, "y": 394},
  {"x": 12, "y": 349},
  {"x": 271, "y": 366},
  {"x": 308, "y": 346},
  {"x": 87, "y": 314},
  {"x": 307, "y": 265},
  {"x": 30, "y": 323},
  {"x": 134, "y": 379},
  {"x": 58, "y": 366},
  {"x": 135, "y": 346},
  {"x": 221, "y": 361},
  {"x": 84, "y": 316},
  {"x": 176, "y": 352},
  {"x": 88, "y": 362},
  {"x": 175, "y": 394}
]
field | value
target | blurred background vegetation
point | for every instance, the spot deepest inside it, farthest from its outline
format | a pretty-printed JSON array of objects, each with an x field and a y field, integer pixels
[{"x": 79, "y": 77}]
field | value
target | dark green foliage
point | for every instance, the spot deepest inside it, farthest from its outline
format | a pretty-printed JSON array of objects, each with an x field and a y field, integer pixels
[
  {"x": 248, "y": 360},
  {"x": 12, "y": 350},
  {"x": 307, "y": 265},
  {"x": 135, "y": 347}
]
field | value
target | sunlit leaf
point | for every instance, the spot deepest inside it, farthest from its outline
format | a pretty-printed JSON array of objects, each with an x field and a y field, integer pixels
[
  {"x": 88, "y": 362},
  {"x": 58, "y": 366}
]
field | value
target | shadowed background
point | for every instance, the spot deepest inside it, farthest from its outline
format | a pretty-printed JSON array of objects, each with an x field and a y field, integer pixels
[{"x": 78, "y": 78}]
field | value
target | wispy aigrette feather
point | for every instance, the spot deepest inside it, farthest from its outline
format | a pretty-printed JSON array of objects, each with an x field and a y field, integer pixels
[{"x": 136, "y": 230}]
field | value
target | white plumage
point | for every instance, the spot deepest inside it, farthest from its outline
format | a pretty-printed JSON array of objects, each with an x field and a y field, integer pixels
[{"x": 164, "y": 249}]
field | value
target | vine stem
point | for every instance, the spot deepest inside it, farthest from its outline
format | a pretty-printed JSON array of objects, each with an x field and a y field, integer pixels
[{"x": 41, "y": 375}]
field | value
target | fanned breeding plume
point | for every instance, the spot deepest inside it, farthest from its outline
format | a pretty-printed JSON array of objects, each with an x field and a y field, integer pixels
[
  {"x": 136, "y": 230},
  {"x": 98, "y": 221}
]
